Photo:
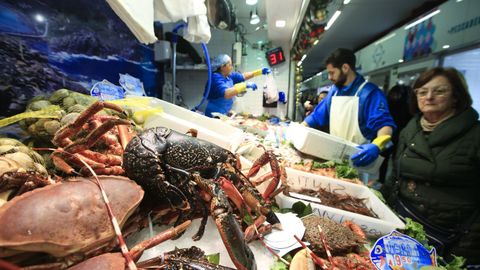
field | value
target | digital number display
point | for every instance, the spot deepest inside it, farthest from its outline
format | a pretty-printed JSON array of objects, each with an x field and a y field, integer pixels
[{"x": 275, "y": 56}]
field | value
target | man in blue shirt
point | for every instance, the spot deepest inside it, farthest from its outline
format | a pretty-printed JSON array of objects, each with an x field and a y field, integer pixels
[
  {"x": 226, "y": 84},
  {"x": 355, "y": 109}
]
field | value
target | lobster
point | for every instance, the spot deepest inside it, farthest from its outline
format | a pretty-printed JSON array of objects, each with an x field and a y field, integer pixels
[{"x": 179, "y": 169}]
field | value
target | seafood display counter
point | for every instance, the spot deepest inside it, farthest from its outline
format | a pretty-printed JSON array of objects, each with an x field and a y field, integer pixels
[{"x": 185, "y": 187}]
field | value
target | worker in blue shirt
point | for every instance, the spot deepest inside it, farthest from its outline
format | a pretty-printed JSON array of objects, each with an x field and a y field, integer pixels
[
  {"x": 355, "y": 109},
  {"x": 226, "y": 84}
]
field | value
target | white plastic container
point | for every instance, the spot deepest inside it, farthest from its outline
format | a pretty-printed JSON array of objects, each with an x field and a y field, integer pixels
[
  {"x": 325, "y": 146},
  {"x": 181, "y": 120},
  {"x": 376, "y": 227}
]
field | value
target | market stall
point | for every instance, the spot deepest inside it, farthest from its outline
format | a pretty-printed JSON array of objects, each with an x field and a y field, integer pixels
[
  {"x": 95, "y": 175},
  {"x": 320, "y": 186}
]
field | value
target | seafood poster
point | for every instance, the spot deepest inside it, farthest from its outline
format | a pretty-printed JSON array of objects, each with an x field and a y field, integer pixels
[
  {"x": 399, "y": 251},
  {"x": 46, "y": 45}
]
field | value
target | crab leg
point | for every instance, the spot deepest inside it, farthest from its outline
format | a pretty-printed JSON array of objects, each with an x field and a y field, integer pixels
[
  {"x": 108, "y": 159},
  {"x": 253, "y": 199},
  {"x": 137, "y": 251},
  {"x": 267, "y": 157},
  {"x": 74, "y": 127},
  {"x": 93, "y": 136}
]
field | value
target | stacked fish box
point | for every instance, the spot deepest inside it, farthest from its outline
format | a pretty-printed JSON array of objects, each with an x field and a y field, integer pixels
[
  {"x": 182, "y": 120},
  {"x": 326, "y": 146}
]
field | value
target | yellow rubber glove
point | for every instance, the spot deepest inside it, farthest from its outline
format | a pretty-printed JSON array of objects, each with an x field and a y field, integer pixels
[
  {"x": 382, "y": 141},
  {"x": 240, "y": 87},
  {"x": 257, "y": 72}
]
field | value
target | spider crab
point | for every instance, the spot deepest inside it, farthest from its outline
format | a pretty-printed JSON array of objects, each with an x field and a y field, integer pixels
[
  {"x": 106, "y": 135},
  {"x": 182, "y": 170},
  {"x": 185, "y": 258},
  {"x": 32, "y": 235}
]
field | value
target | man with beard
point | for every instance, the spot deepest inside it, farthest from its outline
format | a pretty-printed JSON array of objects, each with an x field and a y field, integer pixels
[{"x": 355, "y": 109}]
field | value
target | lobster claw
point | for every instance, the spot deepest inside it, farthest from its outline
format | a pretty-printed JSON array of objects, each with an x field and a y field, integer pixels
[{"x": 232, "y": 236}]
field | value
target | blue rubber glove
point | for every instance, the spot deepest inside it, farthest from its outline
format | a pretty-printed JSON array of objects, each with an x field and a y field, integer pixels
[
  {"x": 266, "y": 71},
  {"x": 368, "y": 153},
  {"x": 252, "y": 85},
  {"x": 282, "y": 97}
]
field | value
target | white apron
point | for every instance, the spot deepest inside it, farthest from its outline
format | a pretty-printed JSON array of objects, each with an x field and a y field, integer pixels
[{"x": 344, "y": 117}]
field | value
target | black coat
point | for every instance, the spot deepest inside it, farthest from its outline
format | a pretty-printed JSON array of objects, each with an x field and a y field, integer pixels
[{"x": 438, "y": 175}]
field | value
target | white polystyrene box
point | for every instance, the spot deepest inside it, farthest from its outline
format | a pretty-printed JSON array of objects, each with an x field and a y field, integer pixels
[
  {"x": 326, "y": 146},
  {"x": 384, "y": 224},
  {"x": 209, "y": 129}
]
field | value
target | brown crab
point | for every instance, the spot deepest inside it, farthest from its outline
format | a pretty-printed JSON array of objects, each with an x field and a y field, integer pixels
[{"x": 68, "y": 221}]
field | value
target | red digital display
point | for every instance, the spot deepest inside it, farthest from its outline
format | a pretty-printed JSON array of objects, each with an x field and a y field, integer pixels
[{"x": 275, "y": 56}]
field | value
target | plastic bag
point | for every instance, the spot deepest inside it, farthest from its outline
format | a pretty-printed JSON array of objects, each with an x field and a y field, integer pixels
[
  {"x": 270, "y": 90},
  {"x": 131, "y": 85},
  {"x": 140, "y": 108}
]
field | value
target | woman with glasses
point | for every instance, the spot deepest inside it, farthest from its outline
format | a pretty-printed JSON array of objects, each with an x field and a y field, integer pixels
[
  {"x": 226, "y": 84},
  {"x": 436, "y": 178}
]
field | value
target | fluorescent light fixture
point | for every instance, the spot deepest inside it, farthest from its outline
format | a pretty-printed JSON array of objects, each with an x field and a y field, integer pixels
[
  {"x": 251, "y": 2},
  {"x": 254, "y": 19},
  {"x": 332, "y": 20},
  {"x": 400, "y": 60},
  {"x": 345, "y": 2},
  {"x": 385, "y": 38},
  {"x": 424, "y": 18},
  {"x": 458, "y": 1},
  {"x": 303, "y": 57},
  {"x": 280, "y": 23},
  {"x": 446, "y": 46},
  {"x": 316, "y": 42},
  {"x": 39, "y": 18},
  {"x": 299, "y": 63}
]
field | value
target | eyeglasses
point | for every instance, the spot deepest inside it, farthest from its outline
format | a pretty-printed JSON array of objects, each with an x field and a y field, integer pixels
[{"x": 438, "y": 91}]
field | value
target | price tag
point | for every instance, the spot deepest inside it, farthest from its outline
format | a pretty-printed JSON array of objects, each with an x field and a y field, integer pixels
[{"x": 399, "y": 251}]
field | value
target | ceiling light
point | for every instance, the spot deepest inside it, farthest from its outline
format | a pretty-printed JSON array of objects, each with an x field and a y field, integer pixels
[
  {"x": 303, "y": 57},
  {"x": 254, "y": 19},
  {"x": 426, "y": 17},
  {"x": 316, "y": 42},
  {"x": 332, "y": 20},
  {"x": 280, "y": 23},
  {"x": 446, "y": 46},
  {"x": 251, "y": 2},
  {"x": 39, "y": 18},
  {"x": 400, "y": 60},
  {"x": 385, "y": 38},
  {"x": 299, "y": 63},
  {"x": 345, "y": 2}
]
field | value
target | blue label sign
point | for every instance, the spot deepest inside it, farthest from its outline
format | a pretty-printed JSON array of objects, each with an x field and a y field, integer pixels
[
  {"x": 106, "y": 90},
  {"x": 399, "y": 251}
]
